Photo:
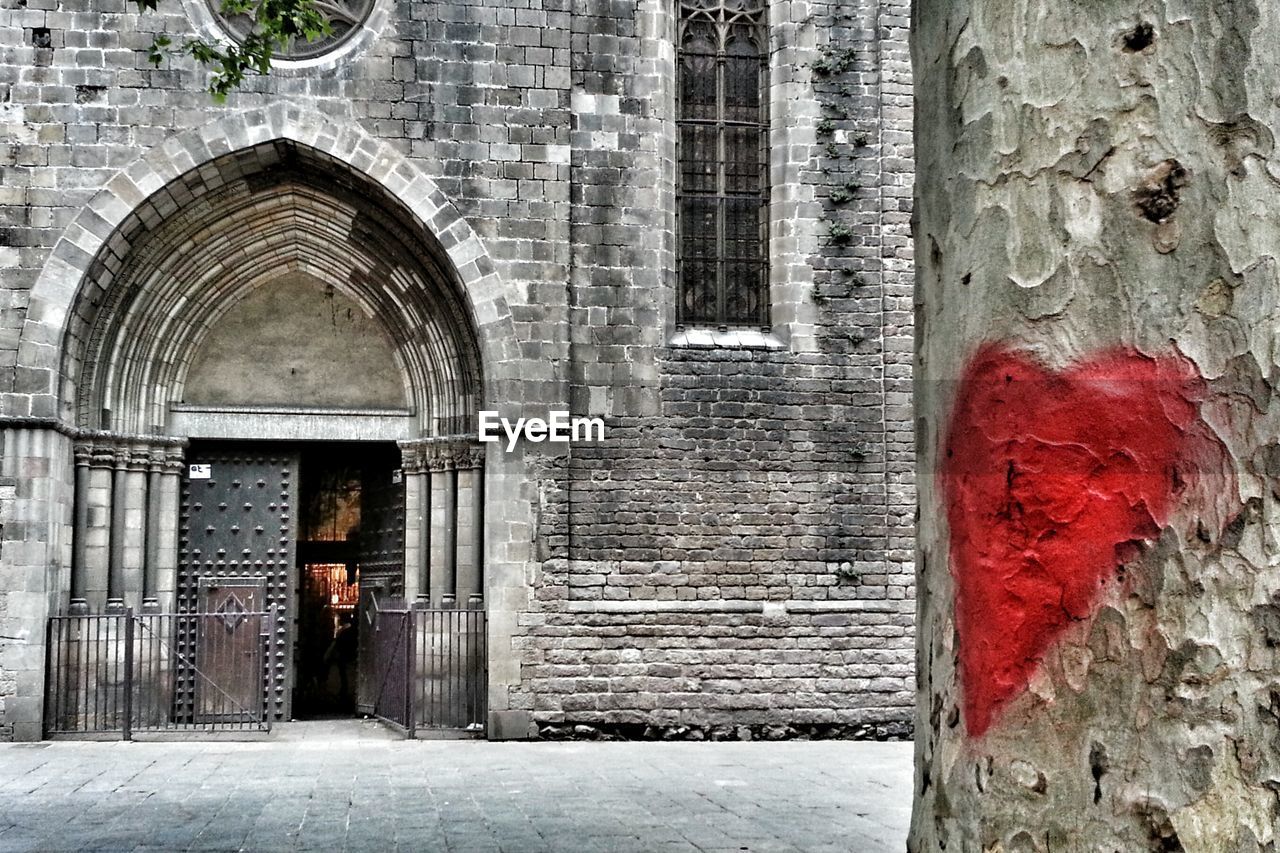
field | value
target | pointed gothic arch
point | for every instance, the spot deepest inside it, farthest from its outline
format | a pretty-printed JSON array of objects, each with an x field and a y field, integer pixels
[
  {"x": 180, "y": 244},
  {"x": 181, "y": 261},
  {"x": 57, "y": 298}
]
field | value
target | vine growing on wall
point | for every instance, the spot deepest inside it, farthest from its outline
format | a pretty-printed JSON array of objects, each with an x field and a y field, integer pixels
[
  {"x": 847, "y": 325},
  {"x": 841, "y": 143},
  {"x": 834, "y": 60}
]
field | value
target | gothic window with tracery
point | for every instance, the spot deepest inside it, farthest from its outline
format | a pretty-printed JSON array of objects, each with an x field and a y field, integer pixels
[{"x": 723, "y": 191}]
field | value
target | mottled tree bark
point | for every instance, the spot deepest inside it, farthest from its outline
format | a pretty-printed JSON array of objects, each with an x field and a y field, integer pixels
[{"x": 1098, "y": 327}]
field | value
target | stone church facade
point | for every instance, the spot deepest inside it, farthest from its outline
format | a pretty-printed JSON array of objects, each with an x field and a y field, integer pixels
[{"x": 688, "y": 219}]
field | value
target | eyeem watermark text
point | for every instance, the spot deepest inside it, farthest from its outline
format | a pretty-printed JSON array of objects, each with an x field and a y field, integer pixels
[{"x": 559, "y": 427}]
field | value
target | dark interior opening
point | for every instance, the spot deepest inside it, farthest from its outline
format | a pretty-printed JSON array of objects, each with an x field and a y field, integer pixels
[{"x": 344, "y": 519}]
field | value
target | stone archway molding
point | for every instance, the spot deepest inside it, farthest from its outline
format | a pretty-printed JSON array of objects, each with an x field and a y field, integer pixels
[
  {"x": 37, "y": 410},
  {"x": 37, "y": 393}
]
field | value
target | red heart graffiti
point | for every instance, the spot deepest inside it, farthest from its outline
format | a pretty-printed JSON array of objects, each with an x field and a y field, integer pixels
[{"x": 1051, "y": 480}]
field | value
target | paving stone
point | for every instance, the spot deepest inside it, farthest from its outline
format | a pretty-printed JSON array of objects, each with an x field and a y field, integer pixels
[{"x": 327, "y": 787}]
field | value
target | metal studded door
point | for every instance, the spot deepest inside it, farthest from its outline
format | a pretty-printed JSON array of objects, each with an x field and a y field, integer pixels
[
  {"x": 237, "y": 522},
  {"x": 381, "y": 559},
  {"x": 382, "y": 524}
]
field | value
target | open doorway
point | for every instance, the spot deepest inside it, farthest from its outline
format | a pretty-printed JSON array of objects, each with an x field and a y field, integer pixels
[{"x": 350, "y": 524}]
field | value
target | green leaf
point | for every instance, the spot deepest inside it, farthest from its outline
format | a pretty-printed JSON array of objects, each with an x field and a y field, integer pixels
[{"x": 276, "y": 22}]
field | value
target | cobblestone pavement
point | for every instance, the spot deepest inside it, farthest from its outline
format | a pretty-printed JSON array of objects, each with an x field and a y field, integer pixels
[{"x": 350, "y": 786}]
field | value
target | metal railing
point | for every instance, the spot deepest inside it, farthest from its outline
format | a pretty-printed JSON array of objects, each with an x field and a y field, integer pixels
[
  {"x": 431, "y": 668},
  {"x": 125, "y": 673},
  {"x": 393, "y": 669}
]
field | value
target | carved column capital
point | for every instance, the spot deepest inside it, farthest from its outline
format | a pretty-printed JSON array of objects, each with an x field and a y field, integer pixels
[
  {"x": 168, "y": 459},
  {"x": 411, "y": 460},
  {"x": 102, "y": 454},
  {"x": 441, "y": 454},
  {"x": 471, "y": 456},
  {"x": 83, "y": 453},
  {"x": 438, "y": 459}
]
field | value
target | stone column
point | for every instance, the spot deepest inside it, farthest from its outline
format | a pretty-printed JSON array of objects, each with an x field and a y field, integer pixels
[
  {"x": 444, "y": 519},
  {"x": 165, "y": 526},
  {"x": 97, "y": 531},
  {"x": 470, "y": 526},
  {"x": 80, "y": 530},
  {"x": 159, "y": 559},
  {"x": 133, "y": 535},
  {"x": 118, "y": 520},
  {"x": 417, "y": 523},
  {"x": 150, "y": 555}
]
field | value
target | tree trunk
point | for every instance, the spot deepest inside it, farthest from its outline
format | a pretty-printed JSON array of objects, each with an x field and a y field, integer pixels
[{"x": 1099, "y": 439}]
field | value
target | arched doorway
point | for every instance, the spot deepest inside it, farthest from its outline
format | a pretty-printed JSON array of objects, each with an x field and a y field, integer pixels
[{"x": 273, "y": 370}]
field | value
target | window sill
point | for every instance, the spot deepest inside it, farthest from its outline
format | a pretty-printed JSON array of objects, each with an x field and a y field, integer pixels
[{"x": 727, "y": 339}]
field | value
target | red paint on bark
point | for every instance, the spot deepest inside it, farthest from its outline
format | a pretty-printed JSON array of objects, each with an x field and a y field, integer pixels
[{"x": 1051, "y": 480}]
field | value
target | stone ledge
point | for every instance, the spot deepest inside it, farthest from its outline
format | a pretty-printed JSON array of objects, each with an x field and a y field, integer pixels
[
  {"x": 899, "y": 730},
  {"x": 725, "y": 339},
  {"x": 770, "y": 608},
  {"x": 268, "y": 423}
]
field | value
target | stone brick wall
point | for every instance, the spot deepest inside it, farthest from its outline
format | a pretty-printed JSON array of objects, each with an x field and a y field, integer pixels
[
  {"x": 739, "y": 550},
  {"x": 35, "y": 507},
  {"x": 8, "y": 679}
]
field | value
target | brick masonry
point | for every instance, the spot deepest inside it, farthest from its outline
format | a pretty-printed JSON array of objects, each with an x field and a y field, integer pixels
[{"x": 739, "y": 550}]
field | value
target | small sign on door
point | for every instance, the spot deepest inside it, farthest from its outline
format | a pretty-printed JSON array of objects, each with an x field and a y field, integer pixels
[
  {"x": 199, "y": 472},
  {"x": 397, "y": 476}
]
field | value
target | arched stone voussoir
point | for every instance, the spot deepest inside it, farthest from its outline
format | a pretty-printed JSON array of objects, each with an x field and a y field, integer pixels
[{"x": 62, "y": 281}]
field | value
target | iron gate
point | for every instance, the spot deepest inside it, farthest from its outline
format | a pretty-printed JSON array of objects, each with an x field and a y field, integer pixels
[
  {"x": 393, "y": 668},
  {"x": 125, "y": 673},
  {"x": 430, "y": 667}
]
